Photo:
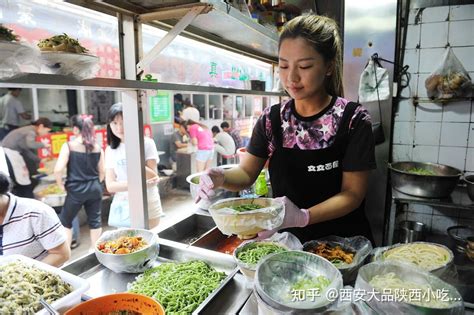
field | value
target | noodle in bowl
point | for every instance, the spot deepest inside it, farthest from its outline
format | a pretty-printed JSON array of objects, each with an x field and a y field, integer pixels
[{"x": 427, "y": 256}]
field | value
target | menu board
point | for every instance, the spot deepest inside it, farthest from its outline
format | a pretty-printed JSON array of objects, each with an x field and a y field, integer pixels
[{"x": 160, "y": 107}]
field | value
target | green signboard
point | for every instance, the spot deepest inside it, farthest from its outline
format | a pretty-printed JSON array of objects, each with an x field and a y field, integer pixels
[{"x": 160, "y": 107}]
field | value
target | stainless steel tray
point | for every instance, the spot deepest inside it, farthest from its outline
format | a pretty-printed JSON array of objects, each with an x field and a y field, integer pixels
[{"x": 104, "y": 281}]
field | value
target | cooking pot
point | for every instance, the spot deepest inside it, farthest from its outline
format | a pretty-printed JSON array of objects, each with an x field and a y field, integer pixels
[{"x": 439, "y": 184}]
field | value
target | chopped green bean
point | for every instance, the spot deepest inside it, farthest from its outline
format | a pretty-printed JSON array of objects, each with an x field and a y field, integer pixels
[
  {"x": 179, "y": 287},
  {"x": 246, "y": 207},
  {"x": 253, "y": 252}
]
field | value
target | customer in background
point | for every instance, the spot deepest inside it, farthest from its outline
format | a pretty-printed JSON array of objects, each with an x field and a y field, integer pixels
[
  {"x": 84, "y": 160},
  {"x": 11, "y": 111},
  {"x": 116, "y": 173},
  {"x": 224, "y": 144},
  {"x": 190, "y": 112},
  {"x": 179, "y": 140},
  {"x": 178, "y": 107},
  {"x": 234, "y": 133},
  {"x": 30, "y": 228},
  {"x": 24, "y": 141},
  {"x": 201, "y": 137}
]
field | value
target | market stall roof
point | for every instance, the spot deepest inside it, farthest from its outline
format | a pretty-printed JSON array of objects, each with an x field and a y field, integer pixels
[{"x": 221, "y": 24}]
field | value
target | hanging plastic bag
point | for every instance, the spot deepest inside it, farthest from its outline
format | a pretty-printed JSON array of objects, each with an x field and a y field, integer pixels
[
  {"x": 449, "y": 80},
  {"x": 18, "y": 58},
  {"x": 374, "y": 84}
]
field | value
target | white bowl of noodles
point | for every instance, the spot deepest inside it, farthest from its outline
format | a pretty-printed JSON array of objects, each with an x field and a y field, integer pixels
[
  {"x": 431, "y": 257},
  {"x": 401, "y": 288}
]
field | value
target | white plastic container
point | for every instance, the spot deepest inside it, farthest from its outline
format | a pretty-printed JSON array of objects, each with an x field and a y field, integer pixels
[{"x": 78, "y": 284}]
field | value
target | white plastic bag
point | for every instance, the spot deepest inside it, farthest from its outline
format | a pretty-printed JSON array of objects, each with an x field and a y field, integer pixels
[
  {"x": 374, "y": 87},
  {"x": 449, "y": 80},
  {"x": 18, "y": 58}
]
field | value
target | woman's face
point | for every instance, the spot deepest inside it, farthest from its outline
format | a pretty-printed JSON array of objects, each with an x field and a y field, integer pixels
[
  {"x": 302, "y": 69},
  {"x": 116, "y": 126}
]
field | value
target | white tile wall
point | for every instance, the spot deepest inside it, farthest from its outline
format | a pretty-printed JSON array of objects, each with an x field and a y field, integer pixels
[
  {"x": 425, "y": 153},
  {"x": 427, "y": 133},
  {"x": 457, "y": 111},
  {"x": 457, "y": 33},
  {"x": 470, "y": 160},
  {"x": 435, "y": 14},
  {"x": 403, "y": 132},
  {"x": 434, "y": 35},
  {"x": 405, "y": 111},
  {"x": 411, "y": 59},
  {"x": 464, "y": 54},
  {"x": 413, "y": 36},
  {"x": 471, "y": 136},
  {"x": 442, "y": 133},
  {"x": 412, "y": 15},
  {"x": 430, "y": 59},
  {"x": 420, "y": 209},
  {"x": 466, "y": 222},
  {"x": 440, "y": 224},
  {"x": 421, "y": 89},
  {"x": 454, "y": 134},
  {"x": 402, "y": 152},
  {"x": 461, "y": 12},
  {"x": 410, "y": 91},
  {"x": 449, "y": 212},
  {"x": 429, "y": 112},
  {"x": 453, "y": 156},
  {"x": 420, "y": 217}
]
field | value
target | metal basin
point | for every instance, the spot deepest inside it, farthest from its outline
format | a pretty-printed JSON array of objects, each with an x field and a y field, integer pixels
[
  {"x": 470, "y": 186},
  {"x": 439, "y": 185},
  {"x": 188, "y": 230}
]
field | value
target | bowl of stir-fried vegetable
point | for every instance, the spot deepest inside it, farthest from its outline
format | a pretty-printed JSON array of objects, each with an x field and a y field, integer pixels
[
  {"x": 127, "y": 250},
  {"x": 249, "y": 254},
  {"x": 284, "y": 277},
  {"x": 429, "y": 180},
  {"x": 245, "y": 217}
]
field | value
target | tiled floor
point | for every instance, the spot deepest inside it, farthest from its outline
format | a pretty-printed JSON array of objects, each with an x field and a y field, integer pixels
[{"x": 176, "y": 205}]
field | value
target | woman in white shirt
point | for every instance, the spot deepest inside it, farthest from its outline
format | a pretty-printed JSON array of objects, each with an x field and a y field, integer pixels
[{"x": 116, "y": 173}]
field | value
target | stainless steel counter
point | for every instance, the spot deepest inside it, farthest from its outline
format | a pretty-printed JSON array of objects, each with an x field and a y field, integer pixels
[{"x": 229, "y": 298}]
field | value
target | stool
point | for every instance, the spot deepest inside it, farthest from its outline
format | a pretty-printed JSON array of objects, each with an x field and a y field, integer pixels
[{"x": 228, "y": 158}]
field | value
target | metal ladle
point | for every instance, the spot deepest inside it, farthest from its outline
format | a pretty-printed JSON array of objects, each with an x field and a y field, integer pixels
[{"x": 48, "y": 307}]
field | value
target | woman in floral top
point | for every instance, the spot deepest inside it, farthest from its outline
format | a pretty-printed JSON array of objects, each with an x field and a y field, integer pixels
[{"x": 320, "y": 145}]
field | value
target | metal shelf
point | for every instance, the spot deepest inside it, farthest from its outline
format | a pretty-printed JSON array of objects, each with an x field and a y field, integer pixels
[
  {"x": 51, "y": 81},
  {"x": 223, "y": 25}
]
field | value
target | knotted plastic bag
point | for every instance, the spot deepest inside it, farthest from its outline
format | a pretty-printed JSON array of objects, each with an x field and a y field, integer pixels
[
  {"x": 374, "y": 84},
  {"x": 449, "y": 80}
]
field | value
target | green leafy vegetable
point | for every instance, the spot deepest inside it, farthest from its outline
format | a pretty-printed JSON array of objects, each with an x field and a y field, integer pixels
[
  {"x": 421, "y": 171},
  {"x": 7, "y": 34},
  {"x": 246, "y": 207},
  {"x": 253, "y": 252},
  {"x": 317, "y": 283},
  {"x": 179, "y": 287}
]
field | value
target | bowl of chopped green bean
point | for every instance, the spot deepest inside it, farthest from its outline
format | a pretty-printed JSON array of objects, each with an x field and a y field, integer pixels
[
  {"x": 245, "y": 217},
  {"x": 429, "y": 180},
  {"x": 249, "y": 254}
]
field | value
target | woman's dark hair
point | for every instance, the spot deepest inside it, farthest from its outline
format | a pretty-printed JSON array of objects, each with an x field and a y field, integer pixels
[
  {"x": 86, "y": 126},
  {"x": 215, "y": 129},
  {"x": 43, "y": 121},
  {"x": 5, "y": 184},
  {"x": 322, "y": 33},
  {"x": 114, "y": 111}
]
